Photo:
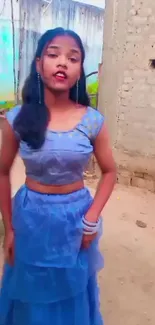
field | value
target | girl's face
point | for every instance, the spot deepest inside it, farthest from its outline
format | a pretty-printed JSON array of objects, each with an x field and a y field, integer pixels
[{"x": 60, "y": 64}]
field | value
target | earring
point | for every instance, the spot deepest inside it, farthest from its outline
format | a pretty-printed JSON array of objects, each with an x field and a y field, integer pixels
[
  {"x": 77, "y": 92},
  {"x": 39, "y": 88}
]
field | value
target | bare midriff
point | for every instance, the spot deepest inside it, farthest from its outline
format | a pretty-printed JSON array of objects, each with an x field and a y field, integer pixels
[{"x": 54, "y": 189}]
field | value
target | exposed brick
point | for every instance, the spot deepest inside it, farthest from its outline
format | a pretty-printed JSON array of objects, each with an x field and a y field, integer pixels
[
  {"x": 145, "y": 12},
  {"x": 152, "y": 19},
  {"x": 125, "y": 173},
  {"x": 131, "y": 29},
  {"x": 134, "y": 38},
  {"x": 153, "y": 105},
  {"x": 126, "y": 87},
  {"x": 139, "y": 174},
  {"x": 149, "y": 177},
  {"x": 127, "y": 73},
  {"x": 133, "y": 3},
  {"x": 128, "y": 80},
  {"x": 132, "y": 12},
  {"x": 141, "y": 72},
  {"x": 123, "y": 180},
  {"x": 142, "y": 87},
  {"x": 121, "y": 116},
  {"x": 137, "y": 20},
  {"x": 142, "y": 81},
  {"x": 125, "y": 94},
  {"x": 129, "y": 96},
  {"x": 125, "y": 101},
  {"x": 152, "y": 38},
  {"x": 143, "y": 183},
  {"x": 139, "y": 30},
  {"x": 151, "y": 80}
]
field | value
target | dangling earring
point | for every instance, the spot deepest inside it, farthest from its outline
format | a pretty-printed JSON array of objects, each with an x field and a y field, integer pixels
[
  {"x": 39, "y": 88},
  {"x": 77, "y": 92}
]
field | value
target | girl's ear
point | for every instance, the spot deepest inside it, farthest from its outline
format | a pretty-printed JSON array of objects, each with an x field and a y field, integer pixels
[{"x": 38, "y": 65}]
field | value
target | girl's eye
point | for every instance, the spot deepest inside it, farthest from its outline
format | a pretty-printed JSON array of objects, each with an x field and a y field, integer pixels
[
  {"x": 52, "y": 55},
  {"x": 73, "y": 60}
]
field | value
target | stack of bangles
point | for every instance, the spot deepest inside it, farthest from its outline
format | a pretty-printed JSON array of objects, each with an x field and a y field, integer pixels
[{"x": 90, "y": 228}]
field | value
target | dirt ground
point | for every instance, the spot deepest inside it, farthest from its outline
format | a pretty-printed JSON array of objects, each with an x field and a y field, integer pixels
[{"x": 127, "y": 283}]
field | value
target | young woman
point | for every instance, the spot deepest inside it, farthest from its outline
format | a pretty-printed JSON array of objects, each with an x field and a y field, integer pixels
[{"x": 53, "y": 225}]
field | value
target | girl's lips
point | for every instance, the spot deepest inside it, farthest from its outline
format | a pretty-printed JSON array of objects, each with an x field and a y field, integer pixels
[{"x": 60, "y": 78}]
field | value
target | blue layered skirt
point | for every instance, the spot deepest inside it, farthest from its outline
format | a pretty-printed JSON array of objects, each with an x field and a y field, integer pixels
[{"x": 53, "y": 281}]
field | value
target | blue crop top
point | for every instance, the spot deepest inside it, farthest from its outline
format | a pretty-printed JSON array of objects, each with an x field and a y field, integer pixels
[{"x": 64, "y": 155}]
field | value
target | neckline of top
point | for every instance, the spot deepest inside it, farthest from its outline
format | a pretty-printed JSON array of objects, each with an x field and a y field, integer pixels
[{"x": 75, "y": 127}]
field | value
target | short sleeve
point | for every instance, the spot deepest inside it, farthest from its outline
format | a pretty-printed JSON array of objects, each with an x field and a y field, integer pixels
[
  {"x": 97, "y": 121},
  {"x": 11, "y": 115}
]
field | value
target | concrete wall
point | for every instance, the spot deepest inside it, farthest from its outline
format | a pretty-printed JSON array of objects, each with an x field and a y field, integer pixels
[{"x": 127, "y": 88}]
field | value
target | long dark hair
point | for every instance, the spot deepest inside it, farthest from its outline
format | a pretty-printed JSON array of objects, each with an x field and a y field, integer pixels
[{"x": 32, "y": 120}]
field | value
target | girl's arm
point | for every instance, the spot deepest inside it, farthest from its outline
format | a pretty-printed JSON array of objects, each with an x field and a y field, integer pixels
[
  {"x": 9, "y": 148},
  {"x": 103, "y": 154}
]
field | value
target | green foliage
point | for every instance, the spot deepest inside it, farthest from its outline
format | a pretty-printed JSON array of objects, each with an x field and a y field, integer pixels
[
  {"x": 6, "y": 105},
  {"x": 92, "y": 90}
]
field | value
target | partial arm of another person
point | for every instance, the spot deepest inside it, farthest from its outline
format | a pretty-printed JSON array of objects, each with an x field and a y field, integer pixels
[
  {"x": 9, "y": 148},
  {"x": 103, "y": 154}
]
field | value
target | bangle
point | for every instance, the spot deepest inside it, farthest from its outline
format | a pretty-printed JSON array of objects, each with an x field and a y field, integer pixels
[{"x": 90, "y": 228}]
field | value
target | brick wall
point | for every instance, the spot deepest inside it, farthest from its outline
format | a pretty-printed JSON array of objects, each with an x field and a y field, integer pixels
[{"x": 127, "y": 88}]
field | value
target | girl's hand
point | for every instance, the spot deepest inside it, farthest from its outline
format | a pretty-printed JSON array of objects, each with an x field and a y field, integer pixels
[
  {"x": 9, "y": 247},
  {"x": 87, "y": 240}
]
